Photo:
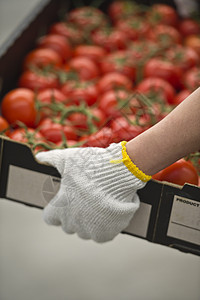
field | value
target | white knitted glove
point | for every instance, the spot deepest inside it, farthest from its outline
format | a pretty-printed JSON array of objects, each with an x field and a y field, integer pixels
[{"x": 97, "y": 197}]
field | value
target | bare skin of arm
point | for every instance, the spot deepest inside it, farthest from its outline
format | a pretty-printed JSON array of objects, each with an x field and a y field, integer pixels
[{"x": 176, "y": 136}]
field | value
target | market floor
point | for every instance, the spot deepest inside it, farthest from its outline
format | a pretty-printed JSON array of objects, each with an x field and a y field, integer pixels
[{"x": 41, "y": 262}]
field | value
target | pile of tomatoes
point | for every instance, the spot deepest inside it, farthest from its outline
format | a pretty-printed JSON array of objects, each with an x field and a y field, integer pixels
[{"x": 101, "y": 77}]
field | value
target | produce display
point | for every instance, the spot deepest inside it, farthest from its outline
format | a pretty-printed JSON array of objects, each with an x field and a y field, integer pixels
[{"x": 101, "y": 77}]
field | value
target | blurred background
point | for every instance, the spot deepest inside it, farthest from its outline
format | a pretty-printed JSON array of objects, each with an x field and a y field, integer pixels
[{"x": 41, "y": 262}]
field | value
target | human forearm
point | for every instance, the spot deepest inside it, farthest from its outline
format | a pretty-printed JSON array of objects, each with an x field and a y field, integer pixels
[{"x": 172, "y": 138}]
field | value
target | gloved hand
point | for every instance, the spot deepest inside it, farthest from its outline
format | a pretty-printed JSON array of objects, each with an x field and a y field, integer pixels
[{"x": 97, "y": 197}]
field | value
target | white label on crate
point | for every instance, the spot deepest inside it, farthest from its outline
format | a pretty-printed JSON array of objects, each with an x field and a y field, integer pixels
[
  {"x": 140, "y": 222},
  {"x": 31, "y": 187},
  {"x": 184, "y": 223}
]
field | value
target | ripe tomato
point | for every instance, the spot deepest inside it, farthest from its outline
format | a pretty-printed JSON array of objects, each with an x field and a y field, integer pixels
[
  {"x": 162, "y": 14},
  {"x": 38, "y": 80},
  {"x": 123, "y": 9},
  {"x": 93, "y": 52},
  {"x": 157, "y": 87},
  {"x": 42, "y": 57},
  {"x": 69, "y": 31},
  {"x": 135, "y": 28},
  {"x": 180, "y": 172},
  {"x": 80, "y": 120},
  {"x": 162, "y": 68},
  {"x": 85, "y": 67},
  {"x": 141, "y": 50},
  {"x": 103, "y": 138},
  {"x": 123, "y": 130},
  {"x": 193, "y": 41},
  {"x": 182, "y": 95},
  {"x": 51, "y": 95},
  {"x": 87, "y": 17},
  {"x": 111, "y": 38},
  {"x": 191, "y": 79},
  {"x": 28, "y": 135},
  {"x": 19, "y": 105},
  {"x": 183, "y": 57},
  {"x": 99, "y": 117},
  {"x": 165, "y": 35},
  {"x": 114, "y": 80},
  {"x": 188, "y": 27},
  {"x": 112, "y": 102},
  {"x": 45, "y": 98},
  {"x": 58, "y": 43},
  {"x": 54, "y": 132},
  {"x": 118, "y": 61},
  {"x": 3, "y": 124},
  {"x": 82, "y": 91}
]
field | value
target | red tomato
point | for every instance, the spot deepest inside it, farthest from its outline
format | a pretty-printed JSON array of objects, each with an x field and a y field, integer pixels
[
  {"x": 111, "y": 38},
  {"x": 162, "y": 14},
  {"x": 135, "y": 28},
  {"x": 19, "y": 105},
  {"x": 3, "y": 124},
  {"x": 114, "y": 80},
  {"x": 183, "y": 57},
  {"x": 58, "y": 43},
  {"x": 191, "y": 79},
  {"x": 112, "y": 102},
  {"x": 180, "y": 172},
  {"x": 37, "y": 80},
  {"x": 28, "y": 135},
  {"x": 103, "y": 138},
  {"x": 118, "y": 61},
  {"x": 82, "y": 91},
  {"x": 99, "y": 117},
  {"x": 162, "y": 68},
  {"x": 188, "y": 27},
  {"x": 193, "y": 41},
  {"x": 123, "y": 9},
  {"x": 140, "y": 51},
  {"x": 157, "y": 87},
  {"x": 165, "y": 35},
  {"x": 182, "y": 95},
  {"x": 51, "y": 95},
  {"x": 85, "y": 67},
  {"x": 47, "y": 97},
  {"x": 93, "y": 52},
  {"x": 53, "y": 132},
  {"x": 123, "y": 130},
  {"x": 42, "y": 57},
  {"x": 87, "y": 17},
  {"x": 80, "y": 121},
  {"x": 68, "y": 30}
]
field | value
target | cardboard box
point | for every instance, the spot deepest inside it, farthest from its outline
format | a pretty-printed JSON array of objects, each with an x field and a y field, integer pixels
[{"x": 168, "y": 215}]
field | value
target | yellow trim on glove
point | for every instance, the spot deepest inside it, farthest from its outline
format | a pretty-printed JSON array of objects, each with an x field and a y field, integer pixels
[{"x": 130, "y": 165}]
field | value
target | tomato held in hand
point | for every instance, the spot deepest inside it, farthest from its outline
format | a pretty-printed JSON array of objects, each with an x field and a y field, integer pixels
[
  {"x": 180, "y": 172},
  {"x": 19, "y": 105}
]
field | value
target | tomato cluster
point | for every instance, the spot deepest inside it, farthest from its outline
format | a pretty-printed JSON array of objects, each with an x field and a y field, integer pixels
[{"x": 100, "y": 77}]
